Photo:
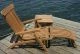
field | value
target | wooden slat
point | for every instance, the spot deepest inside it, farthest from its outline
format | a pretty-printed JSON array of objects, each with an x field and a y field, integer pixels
[
  {"x": 52, "y": 51},
  {"x": 62, "y": 32},
  {"x": 44, "y": 18},
  {"x": 7, "y": 9},
  {"x": 6, "y": 50},
  {"x": 72, "y": 50},
  {"x": 1, "y": 52},
  {"x": 13, "y": 22},
  {"x": 28, "y": 31},
  {"x": 29, "y": 21},
  {"x": 34, "y": 50},
  {"x": 59, "y": 50},
  {"x": 22, "y": 51},
  {"x": 67, "y": 22}
]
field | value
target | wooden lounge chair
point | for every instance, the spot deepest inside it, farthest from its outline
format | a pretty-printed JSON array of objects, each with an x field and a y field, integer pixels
[{"x": 25, "y": 36}]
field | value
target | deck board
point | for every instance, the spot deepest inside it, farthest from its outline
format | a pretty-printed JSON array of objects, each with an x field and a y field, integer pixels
[
  {"x": 60, "y": 50},
  {"x": 51, "y": 51},
  {"x": 72, "y": 50},
  {"x": 6, "y": 50},
  {"x": 2, "y": 52},
  {"x": 19, "y": 50},
  {"x": 73, "y": 26},
  {"x": 34, "y": 51}
]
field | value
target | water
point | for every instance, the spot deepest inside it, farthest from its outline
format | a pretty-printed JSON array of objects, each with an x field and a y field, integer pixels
[{"x": 27, "y": 9}]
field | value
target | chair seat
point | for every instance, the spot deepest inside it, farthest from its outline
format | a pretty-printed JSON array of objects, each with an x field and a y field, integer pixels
[
  {"x": 60, "y": 32},
  {"x": 42, "y": 34}
]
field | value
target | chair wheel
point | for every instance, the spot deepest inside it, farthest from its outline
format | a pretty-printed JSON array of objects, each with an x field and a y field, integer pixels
[
  {"x": 47, "y": 43},
  {"x": 71, "y": 43}
]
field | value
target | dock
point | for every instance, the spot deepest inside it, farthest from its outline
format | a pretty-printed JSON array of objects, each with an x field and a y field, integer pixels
[{"x": 59, "y": 22}]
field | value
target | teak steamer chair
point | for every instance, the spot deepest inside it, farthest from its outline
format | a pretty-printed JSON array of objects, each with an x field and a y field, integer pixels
[
  {"x": 24, "y": 36},
  {"x": 55, "y": 32}
]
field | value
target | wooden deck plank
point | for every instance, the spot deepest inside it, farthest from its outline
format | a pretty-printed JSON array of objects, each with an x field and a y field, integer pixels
[
  {"x": 77, "y": 43},
  {"x": 19, "y": 50},
  {"x": 67, "y": 22},
  {"x": 60, "y": 50},
  {"x": 66, "y": 26},
  {"x": 71, "y": 49},
  {"x": 34, "y": 51},
  {"x": 78, "y": 48},
  {"x": 6, "y": 50},
  {"x": 61, "y": 24},
  {"x": 2, "y": 52},
  {"x": 51, "y": 51}
]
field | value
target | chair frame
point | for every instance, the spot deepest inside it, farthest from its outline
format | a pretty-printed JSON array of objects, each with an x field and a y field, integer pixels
[{"x": 18, "y": 27}]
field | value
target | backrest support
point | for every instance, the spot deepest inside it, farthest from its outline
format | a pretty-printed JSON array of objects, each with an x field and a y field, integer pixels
[{"x": 12, "y": 19}]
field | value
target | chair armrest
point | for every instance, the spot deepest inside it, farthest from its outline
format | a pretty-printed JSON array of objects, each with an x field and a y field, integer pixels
[
  {"x": 28, "y": 31},
  {"x": 29, "y": 21}
]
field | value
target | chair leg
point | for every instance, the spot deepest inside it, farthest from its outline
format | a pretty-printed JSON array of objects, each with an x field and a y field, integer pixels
[
  {"x": 71, "y": 43},
  {"x": 20, "y": 43},
  {"x": 47, "y": 43},
  {"x": 40, "y": 42}
]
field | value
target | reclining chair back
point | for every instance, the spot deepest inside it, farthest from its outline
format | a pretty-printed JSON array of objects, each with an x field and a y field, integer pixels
[{"x": 12, "y": 19}]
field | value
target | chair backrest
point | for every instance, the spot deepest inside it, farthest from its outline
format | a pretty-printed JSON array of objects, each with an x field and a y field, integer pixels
[{"x": 12, "y": 19}]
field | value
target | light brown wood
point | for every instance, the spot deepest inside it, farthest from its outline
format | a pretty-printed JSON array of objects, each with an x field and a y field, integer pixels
[
  {"x": 53, "y": 49},
  {"x": 29, "y": 21},
  {"x": 44, "y": 18},
  {"x": 40, "y": 42},
  {"x": 12, "y": 19},
  {"x": 6, "y": 10},
  {"x": 61, "y": 32},
  {"x": 28, "y": 31},
  {"x": 42, "y": 35},
  {"x": 18, "y": 27},
  {"x": 20, "y": 43}
]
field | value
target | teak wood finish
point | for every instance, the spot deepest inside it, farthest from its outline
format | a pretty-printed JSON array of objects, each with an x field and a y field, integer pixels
[
  {"x": 37, "y": 33},
  {"x": 55, "y": 32},
  {"x": 19, "y": 29},
  {"x": 46, "y": 20}
]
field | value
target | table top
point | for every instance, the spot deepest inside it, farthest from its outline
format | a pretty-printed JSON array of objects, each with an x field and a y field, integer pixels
[{"x": 44, "y": 18}]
